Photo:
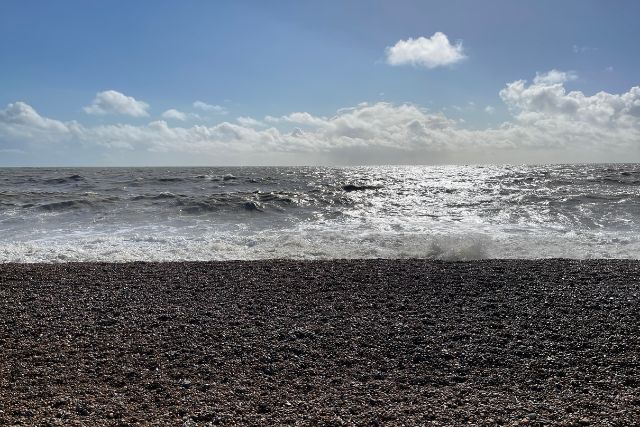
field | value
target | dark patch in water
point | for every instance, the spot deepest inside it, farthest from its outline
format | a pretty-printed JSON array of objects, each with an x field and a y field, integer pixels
[
  {"x": 159, "y": 196},
  {"x": 70, "y": 178},
  {"x": 251, "y": 206},
  {"x": 354, "y": 187}
]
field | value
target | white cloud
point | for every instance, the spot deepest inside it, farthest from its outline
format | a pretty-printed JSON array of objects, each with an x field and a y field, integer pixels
[
  {"x": 21, "y": 122},
  {"x": 113, "y": 102},
  {"x": 432, "y": 52},
  {"x": 546, "y": 119},
  {"x": 552, "y": 116},
  {"x": 215, "y": 109},
  {"x": 249, "y": 122},
  {"x": 174, "y": 114},
  {"x": 554, "y": 77},
  {"x": 158, "y": 136},
  {"x": 489, "y": 109},
  {"x": 22, "y": 114},
  {"x": 547, "y": 100},
  {"x": 300, "y": 118}
]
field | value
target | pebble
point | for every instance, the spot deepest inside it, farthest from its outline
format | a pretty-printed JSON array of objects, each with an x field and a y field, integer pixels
[{"x": 368, "y": 343}]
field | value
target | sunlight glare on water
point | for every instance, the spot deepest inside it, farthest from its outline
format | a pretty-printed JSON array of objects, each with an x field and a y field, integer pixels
[{"x": 445, "y": 212}]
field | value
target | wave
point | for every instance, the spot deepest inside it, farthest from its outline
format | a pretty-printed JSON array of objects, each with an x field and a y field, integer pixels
[
  {"x": 159, "y": 196},
  {"x": 276, "y": 197},
  {"x": 65, "y": 180},
  {"x": 170, "y": 179},
  {"x": 224, "y": 246},
  {"x": 167, "y": 245},
  {"x": 89, "y": 203},
  {"x": 198, "y": 207},
  {"x": 167, "y": 202}
]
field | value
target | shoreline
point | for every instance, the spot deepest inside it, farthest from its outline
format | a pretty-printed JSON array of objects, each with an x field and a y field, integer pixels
[
  {"x": 167, "y": 263},
  {"x": 336, "y": 342}
]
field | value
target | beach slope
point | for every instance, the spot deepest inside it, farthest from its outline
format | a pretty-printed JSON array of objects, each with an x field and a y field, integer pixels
[{"x": 366, "y": 342}]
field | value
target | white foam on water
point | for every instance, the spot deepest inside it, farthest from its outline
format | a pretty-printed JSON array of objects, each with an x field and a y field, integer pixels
[{"x": 311, "y": 243}]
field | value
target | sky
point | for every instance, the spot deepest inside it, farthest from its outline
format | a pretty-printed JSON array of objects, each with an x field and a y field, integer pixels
[{"x": 173, "y": 83}]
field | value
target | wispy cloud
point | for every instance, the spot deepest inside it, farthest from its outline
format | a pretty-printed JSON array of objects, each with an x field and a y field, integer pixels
[
  {"x": 215, "y": 109},
  {"x": 554, "y": 77},
  {"x": 583, "y": 49}
]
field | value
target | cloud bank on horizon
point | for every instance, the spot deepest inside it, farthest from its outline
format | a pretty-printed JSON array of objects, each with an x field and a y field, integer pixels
[
  {"x": 298, "y": 83},
  {"x": 546, "y": 118}
]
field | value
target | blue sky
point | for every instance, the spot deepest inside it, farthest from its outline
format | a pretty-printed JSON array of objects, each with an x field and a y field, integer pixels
[{"x": 267, "y": 60}]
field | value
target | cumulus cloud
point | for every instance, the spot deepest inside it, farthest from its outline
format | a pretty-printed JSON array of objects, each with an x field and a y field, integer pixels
[
  {"x": 249, "y": 122},
  {"x": 545, "y": 116},
  {"x": 300, "y": 118},
  {"x": 215, "y": 109},
  {"x": 174, "y": 114},
  {"x": 158, "y": 136},
  {"x": 405, "y": 128},
  {"x": 21, "y": 122},
  {"x": 22, "y": 114},
  {"x": 113, "y": 102},
  {"x": 556, "y": 118},
  {"x": 432, "y": 52},
  {"x": 547, "y": 99}
]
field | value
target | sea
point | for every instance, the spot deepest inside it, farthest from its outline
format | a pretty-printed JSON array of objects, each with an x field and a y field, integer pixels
[{"x": 248, "y": 213}]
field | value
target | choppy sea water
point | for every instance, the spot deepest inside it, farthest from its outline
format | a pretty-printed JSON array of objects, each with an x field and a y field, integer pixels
[{"x": 447, "y": 212}]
